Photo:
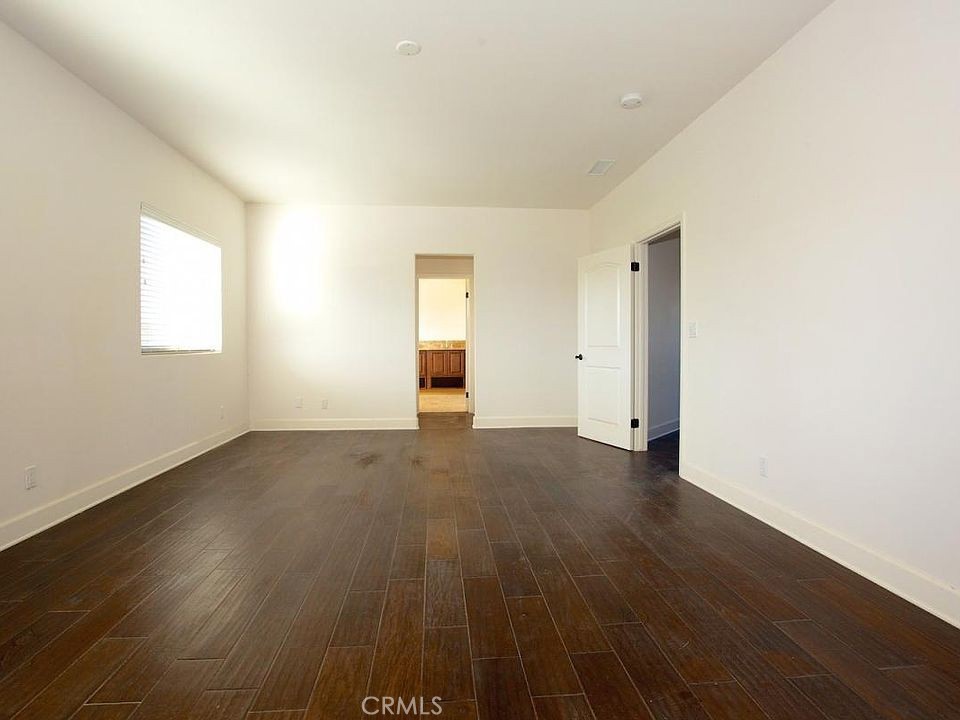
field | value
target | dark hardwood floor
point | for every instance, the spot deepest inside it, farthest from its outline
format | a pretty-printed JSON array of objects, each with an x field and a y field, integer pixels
[{"x": 512, "y": 573}]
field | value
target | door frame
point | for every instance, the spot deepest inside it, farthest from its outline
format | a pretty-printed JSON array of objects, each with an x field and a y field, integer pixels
[
  {"x": 641, "y": 409},
  {"x": 470, "y": 355}
]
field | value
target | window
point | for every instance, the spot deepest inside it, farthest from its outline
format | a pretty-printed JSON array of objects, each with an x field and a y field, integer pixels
[{"x": 180, "y": 304}]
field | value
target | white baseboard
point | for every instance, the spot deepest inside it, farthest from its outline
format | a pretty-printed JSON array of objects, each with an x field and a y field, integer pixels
[
  {"x": 480, "y": 423},
  {"x": 663, "y": 429},
  {"x": 335, "y": 424},
  {"x": 39, "y": 519},
  {"x": 908, "y": 582}
]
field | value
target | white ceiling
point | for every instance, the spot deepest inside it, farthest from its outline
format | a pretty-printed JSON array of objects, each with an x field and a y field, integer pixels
[{"x": 509, "y": 104}]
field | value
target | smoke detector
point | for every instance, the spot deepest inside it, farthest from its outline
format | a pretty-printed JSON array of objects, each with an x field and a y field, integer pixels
[
  {"x": 600, "y": 167},
  {"x": 408, "y": 47},
  {"x": 631, "y": 101}
]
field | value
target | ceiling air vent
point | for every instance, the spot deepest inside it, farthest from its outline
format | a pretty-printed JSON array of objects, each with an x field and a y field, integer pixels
[{"x": 600, "y": 167}]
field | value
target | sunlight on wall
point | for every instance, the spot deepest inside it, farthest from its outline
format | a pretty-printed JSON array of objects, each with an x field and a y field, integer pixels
[{"x": 296, "y": 263}]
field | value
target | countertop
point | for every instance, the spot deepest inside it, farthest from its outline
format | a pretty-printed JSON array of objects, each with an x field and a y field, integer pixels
[{"x": 442, "y": 345}]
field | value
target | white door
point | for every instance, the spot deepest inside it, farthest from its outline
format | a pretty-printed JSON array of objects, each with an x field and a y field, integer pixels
[
  {"x": 468, "y": 355},
  {"x": 605, "y": 352}
]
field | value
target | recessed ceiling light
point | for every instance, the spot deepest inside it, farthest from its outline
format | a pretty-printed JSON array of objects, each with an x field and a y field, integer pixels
[
  {"x": 631, "y": 101},
  {"x": 408, "y": 47},
  {"x": 600, "y": 167}
]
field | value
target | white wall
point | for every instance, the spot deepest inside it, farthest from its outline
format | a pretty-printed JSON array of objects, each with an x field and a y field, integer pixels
[
  {"x": 78, "y": 400},
  {"x": 443, "y": 309},
  {"x": 332, "y": 314},
  {"x": 821, "y": 205},
  {"x": 663, "y": 337}
]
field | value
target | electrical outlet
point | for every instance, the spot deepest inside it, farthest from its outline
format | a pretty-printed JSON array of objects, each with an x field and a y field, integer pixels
[
  {"x": 30, "y": 477},
  {"x": 221, "y": 412},
  {"x": 298, "y": 402},
  {"x": 692, "y": 330},
  {"x": 324, "y": 404},
  {"x": 763, "y": 467}
]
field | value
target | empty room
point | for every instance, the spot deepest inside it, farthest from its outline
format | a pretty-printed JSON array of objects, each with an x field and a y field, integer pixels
[{"x": 510, "y": 360}]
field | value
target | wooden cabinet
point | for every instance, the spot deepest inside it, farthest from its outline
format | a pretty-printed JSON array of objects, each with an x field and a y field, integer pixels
[
  {"x": 455, "y": 361},
  {"x": 442, "y": 364},
  {"x": 437, "y": 363}
]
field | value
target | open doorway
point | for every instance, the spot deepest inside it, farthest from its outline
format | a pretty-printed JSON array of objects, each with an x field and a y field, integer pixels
[
  {"x": 628, "y": 343},
  {"x": 444, "y": 334},
  {"x": 659, "y": 343}
]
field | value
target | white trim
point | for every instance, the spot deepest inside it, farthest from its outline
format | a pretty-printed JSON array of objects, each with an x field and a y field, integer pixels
[
  {"x": 407, "y": 423},
  {"x": 641, "y": 402},
  {"x": 641, "y": 345},
  {"x": 663, "y": 429},
  {"x": 470, "y": 346},
  {"x": 910, "y": 583},
  {"x": 34, "y": 521},
  {"x": 544, "y": 421}
]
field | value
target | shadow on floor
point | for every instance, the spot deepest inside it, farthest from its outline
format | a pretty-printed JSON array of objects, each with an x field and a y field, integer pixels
[
  {"x": 445, "y": 421},
  {"x": 666, "y": 450}
]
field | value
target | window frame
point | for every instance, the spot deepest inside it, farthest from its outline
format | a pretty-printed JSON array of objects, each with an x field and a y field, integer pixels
[{"x": 159, "y": 215}]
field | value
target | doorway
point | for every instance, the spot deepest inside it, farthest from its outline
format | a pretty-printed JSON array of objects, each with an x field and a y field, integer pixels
[
  {"x": 660, "y": 339},
  {"x": 629, "y": 343},
  {"x": 444, "y": 322}
]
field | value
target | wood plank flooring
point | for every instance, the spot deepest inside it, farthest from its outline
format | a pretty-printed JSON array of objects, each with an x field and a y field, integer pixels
[
  {"x": 443, "y": 400},
  {"x": 513, "y": 574}
]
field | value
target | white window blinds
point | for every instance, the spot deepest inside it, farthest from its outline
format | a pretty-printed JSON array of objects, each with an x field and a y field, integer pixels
[{"x": 180, "y": 301}]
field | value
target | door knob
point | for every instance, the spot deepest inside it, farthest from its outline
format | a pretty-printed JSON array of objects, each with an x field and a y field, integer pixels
[{"x": 579, "y": 357}]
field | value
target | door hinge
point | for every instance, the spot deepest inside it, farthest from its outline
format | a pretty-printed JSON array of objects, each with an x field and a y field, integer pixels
[
  {"x": 468, "y": 393},
  {"x": 634, "y": 266},
  {"x": 634, "y": 422},
  {"x": 468, "y": 295}
]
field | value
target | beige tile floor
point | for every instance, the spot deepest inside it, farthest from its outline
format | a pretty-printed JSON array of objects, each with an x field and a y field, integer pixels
[{"x": 443, "y": 400}]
